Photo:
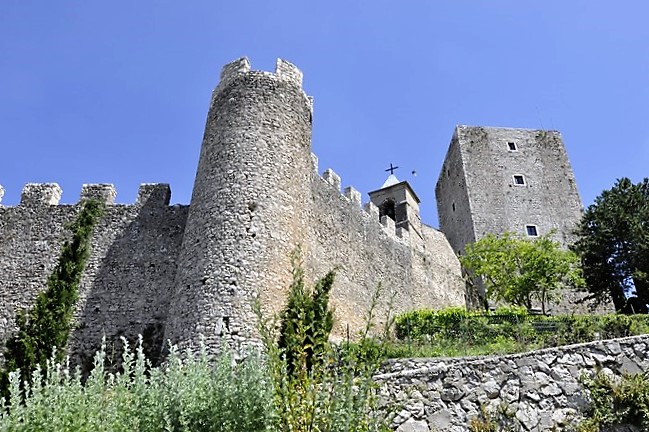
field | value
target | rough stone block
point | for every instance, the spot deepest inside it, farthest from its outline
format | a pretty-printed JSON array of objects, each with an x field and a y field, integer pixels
[
  {"x": 314, "y": 162},
  {"x": 235, "y": 68},
  {"x": 154, "y": 195},
  {"x": 353, "y": 195},
  {"x": 40, "y": 194},
  {"x": 372, "y": 210},
  {"x": 412, "y": 425},
  {"x": 388, "y": 223},
  {"x": 288, "y": 72},
  {"x": 332, "y": 178},
  {"x": 103, "y": 192},
  {"x": 403, "y": 233}
]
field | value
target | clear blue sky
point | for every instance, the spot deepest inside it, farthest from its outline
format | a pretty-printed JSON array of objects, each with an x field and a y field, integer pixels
[{"x": 117, "y": 92}]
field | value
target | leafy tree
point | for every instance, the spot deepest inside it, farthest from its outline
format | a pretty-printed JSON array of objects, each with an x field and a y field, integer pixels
[
  {"x": 519, "y": 271},
  {"x": 613, "y": 243},
  {"x": 48, "y": 323}
]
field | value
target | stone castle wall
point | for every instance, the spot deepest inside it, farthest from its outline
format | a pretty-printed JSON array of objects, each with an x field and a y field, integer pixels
[
  {"x": 538, "y": 391},
  {"x": 177, "y": 272},
  {"x": 412, "y": 271},
  {"x": 127, "y": 285}
]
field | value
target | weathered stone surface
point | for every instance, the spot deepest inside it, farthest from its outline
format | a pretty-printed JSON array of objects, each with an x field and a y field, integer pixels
[
  {"x": 183, "y": 270},
  {"x": 413, "y": 426},
  {"x": 518, "y": 385}
]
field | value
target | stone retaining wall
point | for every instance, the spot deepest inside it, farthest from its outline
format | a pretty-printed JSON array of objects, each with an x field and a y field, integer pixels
[{"x": 538, "y": 391}]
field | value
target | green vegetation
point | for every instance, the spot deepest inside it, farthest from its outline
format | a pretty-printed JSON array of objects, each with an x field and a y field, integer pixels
[
  {"x": 613, "y": 243},
  {"x": 457, "y": 332},
  {"x": 46, "y": 326},
  {"x": 316, "y": 386},
  {"x": 189, "y": 394},
  {"x": 617, "y": 402},
  {"x": 302, "y": 384},
  {"x": 519, "y": 271},
  {"x": 306, "y": 322}
]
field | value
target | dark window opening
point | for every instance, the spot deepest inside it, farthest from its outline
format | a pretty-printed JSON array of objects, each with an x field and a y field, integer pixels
[
  {"x": 512, "y": 146},
  {"x": 453, "y": 206},
  {"x": 448, "y": 172},
  {"x": 387, "y": 209},
  {"x": 531, "y": 230},
  {"x": 519, "y": 180}
]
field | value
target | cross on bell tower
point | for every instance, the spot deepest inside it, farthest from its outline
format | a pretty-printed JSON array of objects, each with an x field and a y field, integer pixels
[{"x": 391, "y": 169}]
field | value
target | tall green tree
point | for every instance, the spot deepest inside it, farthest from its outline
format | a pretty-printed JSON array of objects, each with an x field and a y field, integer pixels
[
  {"x": 519, "y": 271},
  {"x": 613, "y": 243}
]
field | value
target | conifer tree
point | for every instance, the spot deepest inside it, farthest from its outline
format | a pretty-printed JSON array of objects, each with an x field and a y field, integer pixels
[
  {"x": 306, "y": 321},
  {"x": 47, "y": 325}
]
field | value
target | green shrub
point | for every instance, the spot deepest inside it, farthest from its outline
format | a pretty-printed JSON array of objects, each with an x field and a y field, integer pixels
[
  {"x": 616, "y": 404},
  {"x": 188, "y": 394},
  {"x": 306, "y": 321},
  {"x": 317, "y": 387},
  {"x": 427, "y": 332}
]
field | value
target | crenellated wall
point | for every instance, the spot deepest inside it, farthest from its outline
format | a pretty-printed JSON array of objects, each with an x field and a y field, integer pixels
[
  {"x": 126, "y": 288},
  {"x": 178, "y": 272},
  {"x": 415, "y": 272}
]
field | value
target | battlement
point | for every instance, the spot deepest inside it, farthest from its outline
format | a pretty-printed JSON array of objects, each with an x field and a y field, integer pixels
[
  {"x": 49, "y": 194},
  {"x": 103, "y": 192},
  {"x": 34, "y": 194},
  {"x": 369, "y": 210},
  {"x": 284, "y": 71},
  {"x": 154, "y": 195}
]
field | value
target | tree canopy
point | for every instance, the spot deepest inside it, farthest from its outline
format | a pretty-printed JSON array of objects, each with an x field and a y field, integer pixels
[
  {"x": 519, "y": 271},
  {"x": 613, "y": 243}
]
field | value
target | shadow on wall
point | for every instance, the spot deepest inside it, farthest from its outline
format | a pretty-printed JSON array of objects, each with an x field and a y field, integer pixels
[{"x": 130, "y": 278}]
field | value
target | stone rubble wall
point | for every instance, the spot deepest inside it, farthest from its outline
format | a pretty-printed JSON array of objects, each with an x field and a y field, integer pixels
[
  {"x": 181, "y": 271},
  {"x": 414, "y": 272},
  {"x": 538, "y": 390},
  {"x": 127, "y": 285}
]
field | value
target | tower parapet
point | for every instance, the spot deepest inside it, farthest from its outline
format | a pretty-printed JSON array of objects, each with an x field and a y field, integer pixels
[{"x": 154, "y": 194}]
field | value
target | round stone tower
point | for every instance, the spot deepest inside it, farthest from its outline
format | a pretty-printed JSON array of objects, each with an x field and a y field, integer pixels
[{"x": 247, "y": 207}]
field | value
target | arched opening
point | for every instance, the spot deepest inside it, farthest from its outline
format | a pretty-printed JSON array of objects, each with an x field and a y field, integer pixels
[{"x": 387, "y": 208}]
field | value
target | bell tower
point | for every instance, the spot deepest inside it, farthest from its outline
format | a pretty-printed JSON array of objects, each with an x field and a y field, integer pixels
[{"x": 398, "y": 201}]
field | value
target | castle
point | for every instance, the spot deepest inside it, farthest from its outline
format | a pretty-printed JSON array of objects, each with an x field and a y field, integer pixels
[{"x": 174, "y": 272}]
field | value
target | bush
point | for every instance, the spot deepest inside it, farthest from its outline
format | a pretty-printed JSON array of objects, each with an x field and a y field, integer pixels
[
  {"x": 318, "y": 387},
  {"x": 504, "y": 330},
  {"x": 306, "y": 321},
  {"x": 188, "y": 394},
  {"x": 616, "y": 404}
]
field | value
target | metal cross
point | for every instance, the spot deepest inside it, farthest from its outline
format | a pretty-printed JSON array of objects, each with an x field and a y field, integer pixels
[{"x": 391, "y": 169}]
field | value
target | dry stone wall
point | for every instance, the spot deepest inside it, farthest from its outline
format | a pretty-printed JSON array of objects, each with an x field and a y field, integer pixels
[{"x": 538, "y": 391}]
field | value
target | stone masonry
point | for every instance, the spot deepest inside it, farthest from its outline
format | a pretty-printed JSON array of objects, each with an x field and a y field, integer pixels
[
  {"x": 536, "y": 391},
  {"x": 174, "y": 272},
  {"x": 500, "y": 179}
]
